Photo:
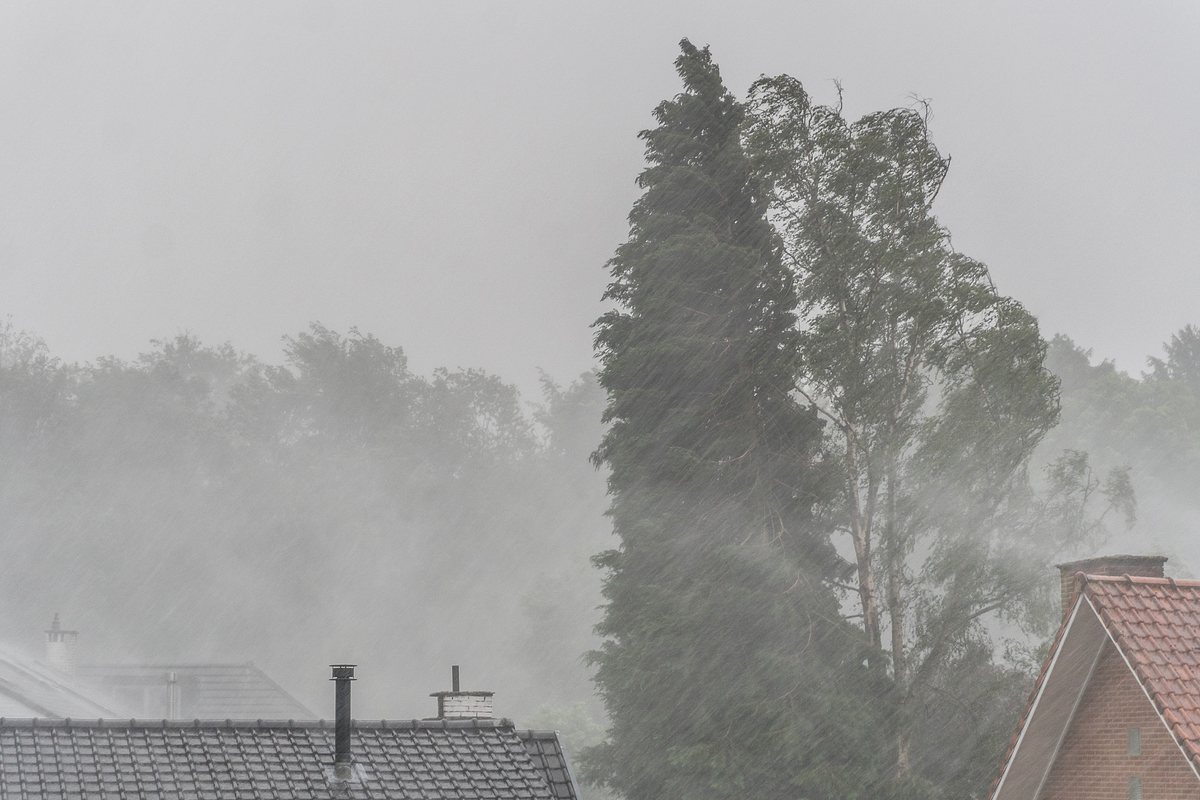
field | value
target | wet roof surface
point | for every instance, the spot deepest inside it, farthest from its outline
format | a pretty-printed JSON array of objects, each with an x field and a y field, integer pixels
[
  {"x": 426, "y": 759},
  {"x": 547, "y": 753},
  {"x": 207, "y": 691},
  {"x": 30, "y": 688}
]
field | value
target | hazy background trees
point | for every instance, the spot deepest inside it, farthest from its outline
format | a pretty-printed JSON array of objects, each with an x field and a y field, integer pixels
[{"x": 197, "y": 504}]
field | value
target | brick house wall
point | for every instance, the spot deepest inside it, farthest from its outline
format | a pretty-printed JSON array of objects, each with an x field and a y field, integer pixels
[{"x": 1094, "y": 762}]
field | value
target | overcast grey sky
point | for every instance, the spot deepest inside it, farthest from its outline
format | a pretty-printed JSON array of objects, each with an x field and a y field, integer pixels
[{"x": 453, "y": 176}]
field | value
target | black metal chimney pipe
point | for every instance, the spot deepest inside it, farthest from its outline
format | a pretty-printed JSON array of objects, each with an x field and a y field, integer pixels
[{"x": 342, "y": 674}]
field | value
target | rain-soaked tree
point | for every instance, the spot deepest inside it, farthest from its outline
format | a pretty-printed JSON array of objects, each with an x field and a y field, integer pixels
[
  {"x": 1149, "y": 424},
  {"x": 933, "y": 386},
  {"x": 1183, "y": 358},
  {"x": 33, "y": 401},
  {"x": 727, "y": 669}
]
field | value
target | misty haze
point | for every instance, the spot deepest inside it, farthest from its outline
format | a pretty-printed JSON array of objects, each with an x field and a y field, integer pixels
[{"x": 616, "y": 401}]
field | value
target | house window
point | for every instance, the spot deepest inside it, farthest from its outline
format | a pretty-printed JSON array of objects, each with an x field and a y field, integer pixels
[
  {"x": 1133, "y": 742},
  {"x": 1135, "y": 788}
]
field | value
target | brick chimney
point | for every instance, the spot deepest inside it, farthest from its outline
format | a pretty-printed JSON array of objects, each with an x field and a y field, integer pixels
[
  {"x": 1139, "y": 566},
  {"x": 60, "y": 647},
  {"x": 457, "y": 704}
]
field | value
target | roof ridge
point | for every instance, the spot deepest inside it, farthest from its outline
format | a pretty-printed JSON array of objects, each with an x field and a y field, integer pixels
[
  {"x": 277, "y": 686},
  {"x": 168, "y": 664},
  {"x": 290, "y": 724},
  {"x": 1141, "y": 579}
]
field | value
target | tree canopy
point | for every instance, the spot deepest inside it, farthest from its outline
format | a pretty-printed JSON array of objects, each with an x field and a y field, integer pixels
[
  {"x": 726, "y": 668},
  {"x": 936, "y": 394}
]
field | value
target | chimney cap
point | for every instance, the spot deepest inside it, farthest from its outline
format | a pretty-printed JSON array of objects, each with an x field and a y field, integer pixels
[
  {"x": 455, "y": 690},
  {"x": 343, "y": 672}
]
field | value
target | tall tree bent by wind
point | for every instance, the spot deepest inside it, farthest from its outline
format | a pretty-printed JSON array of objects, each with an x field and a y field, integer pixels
[
  {"x": 936, "y": 394},
  {"x": 726, "y": 667}
]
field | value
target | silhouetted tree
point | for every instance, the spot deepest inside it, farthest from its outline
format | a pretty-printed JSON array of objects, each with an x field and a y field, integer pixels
[{"x": 726, "y": 664}]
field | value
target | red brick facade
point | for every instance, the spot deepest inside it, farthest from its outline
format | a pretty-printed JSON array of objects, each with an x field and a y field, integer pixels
[{"x": 1094, "y": 762}]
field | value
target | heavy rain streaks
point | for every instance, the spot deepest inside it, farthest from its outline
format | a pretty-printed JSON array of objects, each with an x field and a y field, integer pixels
[{"x": 738, "y": 450}]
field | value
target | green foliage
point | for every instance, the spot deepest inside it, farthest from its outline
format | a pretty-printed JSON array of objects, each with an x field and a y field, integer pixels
[
  {"x": 727, "y": 679},
  {"x": 198, "y": 504},
  {"x": 726, "y": 670},
  {"x": 35, "y": 394},
  {"x": 935, "y": 387},
  {"x": 1182, "y": 363},
  {"x": 1142, "y": 428},
  {"x": 959, "y": 737}
]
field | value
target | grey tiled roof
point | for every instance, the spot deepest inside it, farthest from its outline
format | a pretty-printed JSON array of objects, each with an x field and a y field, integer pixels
[
  {"x": 207, "y": 691},
  {"x": 547, "y": 752},
  {"x": 27, "y": 688},
  {"x": 410, "y": 760}
]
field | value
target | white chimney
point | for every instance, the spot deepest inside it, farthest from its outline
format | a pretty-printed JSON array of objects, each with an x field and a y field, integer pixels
[
  {"x": 457, "y": 704},
  {"x": 60, "y": 647}
]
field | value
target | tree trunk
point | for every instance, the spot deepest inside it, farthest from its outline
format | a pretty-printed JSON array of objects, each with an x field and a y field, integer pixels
[
  {"x": 860, "y": 533},
  {"x": 903, "y": 758},
  {"x": 894, "y": 549}
]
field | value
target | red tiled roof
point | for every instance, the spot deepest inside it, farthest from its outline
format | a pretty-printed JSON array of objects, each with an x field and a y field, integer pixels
[{"x": 1156, "y": 625}]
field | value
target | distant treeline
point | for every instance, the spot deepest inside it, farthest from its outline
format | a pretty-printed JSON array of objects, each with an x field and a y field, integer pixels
[
  {"x": 1148, "y": 423},
  {"x": 196, "y": 503}
]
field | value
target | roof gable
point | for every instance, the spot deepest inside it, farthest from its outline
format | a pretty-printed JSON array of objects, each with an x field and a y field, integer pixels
[
  {"x": 1154, "y": 624},
  {"x": 1096, "y": 760},
  {"x": 30, "y": 688},
  {"x": 1056, "y": 693}
]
